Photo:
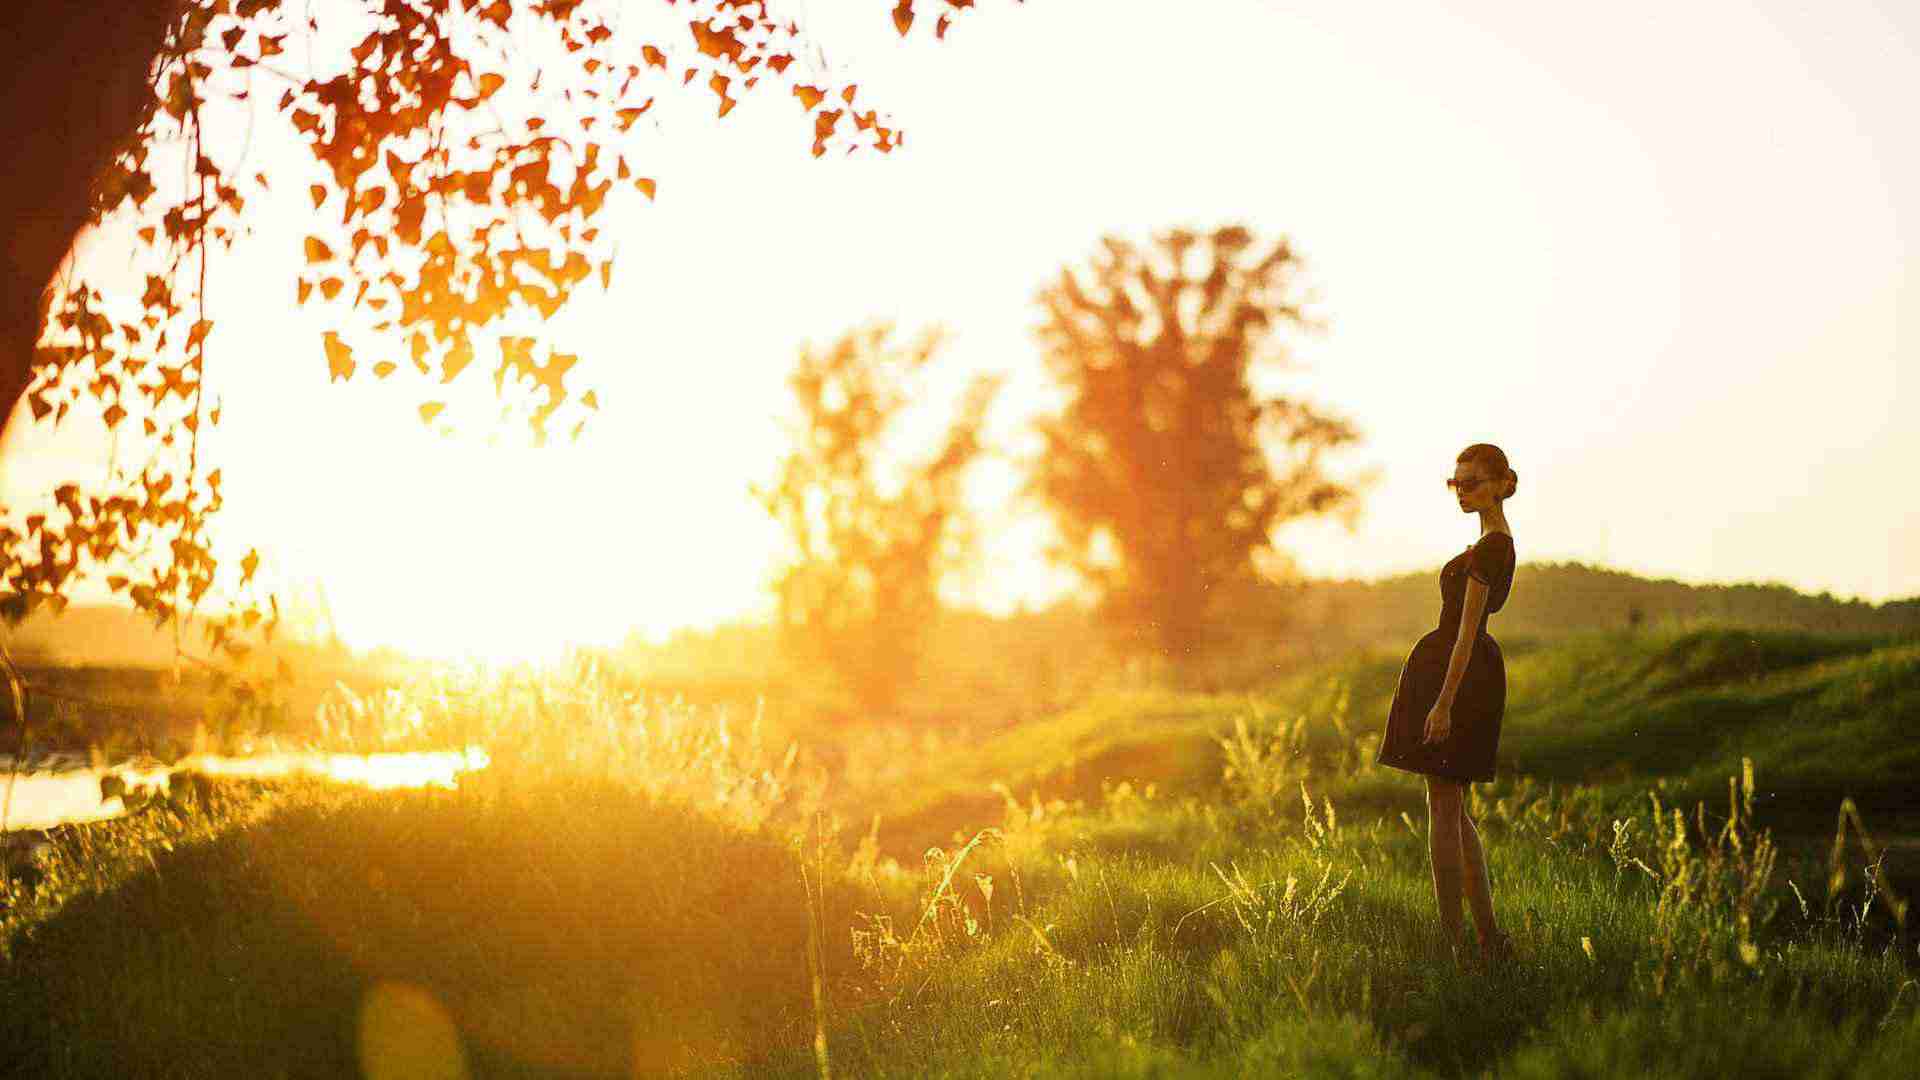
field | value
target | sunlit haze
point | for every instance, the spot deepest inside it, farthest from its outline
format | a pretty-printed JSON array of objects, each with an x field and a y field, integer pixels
[{"x": 1655, "y": 251}]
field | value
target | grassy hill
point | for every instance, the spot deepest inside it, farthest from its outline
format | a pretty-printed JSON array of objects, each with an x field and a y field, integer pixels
[
  {"x": 1821, "y": 716},
  {"x": 1553, "y": 599}
]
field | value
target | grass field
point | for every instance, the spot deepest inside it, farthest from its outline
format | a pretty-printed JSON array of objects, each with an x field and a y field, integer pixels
[{"x": 1147, "y": 883}]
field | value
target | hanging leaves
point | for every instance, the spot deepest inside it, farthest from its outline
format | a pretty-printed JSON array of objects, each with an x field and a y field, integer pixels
[
  {"x": 339, "y": 357},
  {"x": 629, "y": 115},
  {"x": 466, "y": 193}
]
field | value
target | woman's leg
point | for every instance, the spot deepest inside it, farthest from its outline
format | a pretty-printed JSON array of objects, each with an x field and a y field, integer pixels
[
  {"x": 1443, "y": 842},
  {"x": 1479, "y": 890}
]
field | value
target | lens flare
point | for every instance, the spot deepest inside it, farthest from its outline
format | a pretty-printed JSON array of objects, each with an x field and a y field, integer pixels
[{"x": 404, "y": 1033}]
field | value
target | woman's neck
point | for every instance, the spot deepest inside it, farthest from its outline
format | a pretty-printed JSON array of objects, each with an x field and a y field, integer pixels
[{"x": 1494, "y": 521}]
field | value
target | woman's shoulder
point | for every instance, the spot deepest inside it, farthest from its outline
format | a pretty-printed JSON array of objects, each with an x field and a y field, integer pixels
[{"x": 1495, "y": 545}]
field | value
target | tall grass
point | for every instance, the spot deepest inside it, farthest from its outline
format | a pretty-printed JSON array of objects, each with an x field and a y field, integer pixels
[
  {"x": 623, "y": 891},
  {"x": 638, "y": 886},
  {"x": 1265, "y": 929},
  {"x": 581, "y": 720}
]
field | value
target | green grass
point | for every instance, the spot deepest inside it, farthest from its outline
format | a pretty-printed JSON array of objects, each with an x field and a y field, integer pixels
[
  {"x": 1119, "y": 966},
  {"x": 629, "y": 891},
  {"x": 1823, "y": 717},
  {"x": 562, "y": 929}
]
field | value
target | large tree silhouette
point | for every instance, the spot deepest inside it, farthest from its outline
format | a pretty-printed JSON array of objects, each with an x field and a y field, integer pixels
[
  {"x": 462, "y": 151},
  {"x": 1165, "y": 471},
  {"x": 868, "y": 549}
]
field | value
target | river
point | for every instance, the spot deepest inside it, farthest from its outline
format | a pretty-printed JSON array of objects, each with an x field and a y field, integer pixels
[{"x": 67, "y": 790}]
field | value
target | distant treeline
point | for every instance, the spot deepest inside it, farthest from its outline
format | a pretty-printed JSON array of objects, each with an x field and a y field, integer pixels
[
  {"x": 95, "y": 635},
  {"x": 1000, "y": 669},
  {"x": 1552, "y": 598},
  {"x": 1032, "y": 663}
]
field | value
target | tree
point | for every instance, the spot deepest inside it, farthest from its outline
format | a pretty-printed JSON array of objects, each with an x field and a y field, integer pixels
[
  {"x": 462, "y": 150},
  {"x": 868, "y": 550},
  {"x": 1160, "y": 470}
]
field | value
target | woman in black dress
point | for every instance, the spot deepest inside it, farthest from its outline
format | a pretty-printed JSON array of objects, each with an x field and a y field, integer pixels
[{"x": 1444, "y": 722}]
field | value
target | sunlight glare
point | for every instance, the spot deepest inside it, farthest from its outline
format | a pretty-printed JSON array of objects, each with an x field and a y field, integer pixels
[
  {"x": 454, "y": 549},
  {"x": 380, "y": 772}
]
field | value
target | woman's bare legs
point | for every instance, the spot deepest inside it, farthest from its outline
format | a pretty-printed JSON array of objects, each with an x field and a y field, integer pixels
[
  {"x": 1444, "y": 817},
  {"x": 1479, "y": 891}
]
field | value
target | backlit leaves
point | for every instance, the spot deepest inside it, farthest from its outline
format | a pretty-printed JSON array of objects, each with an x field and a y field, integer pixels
[
  {"x": 518, "y": 367},
  {"x": 339, "y": 357},
  {"x": 629, "y": 115},
  {"x": 466, "y": 194},
  {"x": 716, "y": 42},
  {"x": 904, "y": 14}
]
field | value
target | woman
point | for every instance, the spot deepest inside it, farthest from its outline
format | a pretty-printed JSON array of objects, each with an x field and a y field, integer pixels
[{"x": 1445, "y": 718}]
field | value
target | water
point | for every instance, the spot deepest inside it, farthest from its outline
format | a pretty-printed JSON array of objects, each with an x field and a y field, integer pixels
[{"x": 64, "y": 791}]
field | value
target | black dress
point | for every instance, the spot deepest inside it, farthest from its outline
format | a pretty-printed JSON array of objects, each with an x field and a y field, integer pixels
[{"x": 1468, "y": 750}]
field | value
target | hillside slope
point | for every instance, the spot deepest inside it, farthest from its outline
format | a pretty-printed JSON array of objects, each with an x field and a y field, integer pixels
[{"x": 1821, "y": 716}]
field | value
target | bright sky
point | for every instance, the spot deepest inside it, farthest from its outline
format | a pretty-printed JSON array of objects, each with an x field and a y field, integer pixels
[{"x": 1653, "y": 250}]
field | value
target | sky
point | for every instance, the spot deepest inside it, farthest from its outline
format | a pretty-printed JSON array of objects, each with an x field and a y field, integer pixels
[{"x": 1655, "y": 252}]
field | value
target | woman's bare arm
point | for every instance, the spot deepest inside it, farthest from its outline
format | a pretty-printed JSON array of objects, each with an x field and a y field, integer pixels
[{"x": 1472, "y": 605}]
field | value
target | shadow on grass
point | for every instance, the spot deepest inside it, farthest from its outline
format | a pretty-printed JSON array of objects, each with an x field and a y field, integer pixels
[{"x": 566, "y": 932}]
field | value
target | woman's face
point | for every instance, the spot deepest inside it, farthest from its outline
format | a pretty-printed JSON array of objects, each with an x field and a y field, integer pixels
[{"x": 1474, "y": 486}]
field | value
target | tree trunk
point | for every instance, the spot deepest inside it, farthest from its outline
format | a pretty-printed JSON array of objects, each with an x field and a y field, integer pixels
[{"x": 76, "y": 75}]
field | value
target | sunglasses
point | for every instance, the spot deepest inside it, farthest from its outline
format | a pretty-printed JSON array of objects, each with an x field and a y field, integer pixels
[{"x": 1466, "y": 485}]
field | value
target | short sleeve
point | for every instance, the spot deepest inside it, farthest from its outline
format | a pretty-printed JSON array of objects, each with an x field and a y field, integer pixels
[{"x": 1491, "y": 561}]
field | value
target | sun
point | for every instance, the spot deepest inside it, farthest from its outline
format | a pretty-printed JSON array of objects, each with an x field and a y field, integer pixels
[{"x": 450, "y": 548}]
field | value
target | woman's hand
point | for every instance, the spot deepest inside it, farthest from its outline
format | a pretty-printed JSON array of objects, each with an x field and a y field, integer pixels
[{"x": 1439, "y": 722}]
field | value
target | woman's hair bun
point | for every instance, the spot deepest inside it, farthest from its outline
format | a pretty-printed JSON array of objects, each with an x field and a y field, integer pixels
[{"x": 1513, "y": 482}]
